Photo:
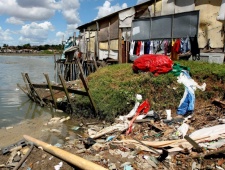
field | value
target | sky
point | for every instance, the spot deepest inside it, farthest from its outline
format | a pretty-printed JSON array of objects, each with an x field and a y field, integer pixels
[{"x": 40, "y": 22}]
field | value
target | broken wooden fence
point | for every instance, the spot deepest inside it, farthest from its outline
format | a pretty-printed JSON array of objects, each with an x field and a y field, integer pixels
[{"x": 45, "y": 93}]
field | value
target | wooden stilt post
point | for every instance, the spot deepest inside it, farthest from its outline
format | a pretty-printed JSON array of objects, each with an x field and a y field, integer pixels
[
  {"x": 71, "y": 71},
  {"x": 66, "y": 92},
  {"x": 27, "y": 87},
  {"x": 85, "y": 83},
  {"x": 88, "y": 92},
  {"x": 95, "y": 63},
  {"x": 50, "y": 88}
]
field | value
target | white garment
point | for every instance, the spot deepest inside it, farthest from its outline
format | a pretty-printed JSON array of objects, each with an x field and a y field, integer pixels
[
  {"x": 190, "y": 83},
  {"x": 151, "y": 47},
  {"x": 142, "y": 48},
  {"x": 132, "y": 48}
]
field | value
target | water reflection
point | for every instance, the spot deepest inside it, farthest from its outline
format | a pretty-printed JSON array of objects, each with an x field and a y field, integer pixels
[{"x": 15, "y": 106}]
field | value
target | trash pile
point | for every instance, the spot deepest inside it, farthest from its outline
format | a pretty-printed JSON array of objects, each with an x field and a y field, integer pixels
[{"x": 143, "y": 139}]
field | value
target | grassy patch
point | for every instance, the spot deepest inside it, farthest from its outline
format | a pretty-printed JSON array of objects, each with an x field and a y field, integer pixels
[{"x": 114, "y": 87}]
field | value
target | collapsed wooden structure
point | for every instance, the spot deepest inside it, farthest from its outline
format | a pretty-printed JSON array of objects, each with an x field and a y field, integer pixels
[
  {"x": 73, "y": 64},
  {"x": 49, "y": 94}
]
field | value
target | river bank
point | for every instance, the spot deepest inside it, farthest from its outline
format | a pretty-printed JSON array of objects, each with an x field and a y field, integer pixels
[
  {"x": 27, "y": 54},
  {"x": 109, "y": 144}
]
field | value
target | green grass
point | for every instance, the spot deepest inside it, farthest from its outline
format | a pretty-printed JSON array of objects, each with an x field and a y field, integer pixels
[{"x": 113, "y": 88}]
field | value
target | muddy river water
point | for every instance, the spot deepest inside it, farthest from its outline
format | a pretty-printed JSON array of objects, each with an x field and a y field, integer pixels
[{"x": 15, "y": 106}]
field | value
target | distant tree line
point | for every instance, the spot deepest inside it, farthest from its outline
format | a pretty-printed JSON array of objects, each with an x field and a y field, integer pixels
[{"x": 34, "y": 47}]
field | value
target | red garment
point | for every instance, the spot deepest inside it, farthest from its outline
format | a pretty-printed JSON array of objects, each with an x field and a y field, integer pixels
[
  {"x": 138, "y": 49},
  {"x": 176, "y": 46}
]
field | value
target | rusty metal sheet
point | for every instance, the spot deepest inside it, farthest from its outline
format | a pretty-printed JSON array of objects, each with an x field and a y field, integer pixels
[
  {"x": 103, "y": 30},
  {"x": 114, "y": 28}
]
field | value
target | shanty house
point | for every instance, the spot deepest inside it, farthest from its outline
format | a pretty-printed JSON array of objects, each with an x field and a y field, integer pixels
[{"x": 111, "y": 37}]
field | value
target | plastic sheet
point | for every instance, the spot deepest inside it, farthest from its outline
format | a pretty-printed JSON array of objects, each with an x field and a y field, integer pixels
[{"x": 155, "y": 63}]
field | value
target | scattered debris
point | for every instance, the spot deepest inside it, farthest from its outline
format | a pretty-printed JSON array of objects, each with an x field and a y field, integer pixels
[{"x": 152, "y": 143}]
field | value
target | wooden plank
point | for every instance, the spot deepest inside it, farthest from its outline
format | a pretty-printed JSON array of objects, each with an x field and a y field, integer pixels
[
  {"x": 54, "y": 87},
  {"x": 50, "y": 88},
  {"x": 193, "y": 143}
]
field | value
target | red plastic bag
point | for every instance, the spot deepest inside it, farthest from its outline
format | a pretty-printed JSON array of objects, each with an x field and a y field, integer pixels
[
  {"x": 143, "y": 108},
  {"x": 155, "y": 63}
]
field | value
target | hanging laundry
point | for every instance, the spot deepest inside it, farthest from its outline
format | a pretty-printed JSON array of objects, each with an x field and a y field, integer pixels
[
  {"x": 177, "y": 46},
  {"x": 135, "y": 48},
  {"x": 166, "y": 46},
  {"x": 169, "y": 46},
  {"x": 151, "y": 47},
  {"x": 138, "y": 49},
  {"x": 185, "y": 45},
  {"x": 147, "y": 47},
  {"x": 132, "y": 48},
  {"x": 194, "y": 46},
  {"x": 175, "y": 49},
  {"x": 142, "y": 48}
]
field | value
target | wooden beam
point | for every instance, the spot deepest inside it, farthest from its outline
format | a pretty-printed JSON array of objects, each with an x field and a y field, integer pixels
[{"x": 54, "y": 87}]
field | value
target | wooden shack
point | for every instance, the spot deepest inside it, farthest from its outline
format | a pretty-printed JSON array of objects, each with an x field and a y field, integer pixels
[{"x": 109, "y": 38}]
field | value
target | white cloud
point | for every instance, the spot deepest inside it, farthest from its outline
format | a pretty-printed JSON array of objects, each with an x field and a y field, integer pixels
[
  {"x": 71, "y": 16},
  {"x": 60, "y": 34},
  {"x": 13, "y": 20},
  {"x": 12, "y": 9},
  {"x": 5, "y": 36},
  {"x": 70, "y": 4},
  {"x": 34, "y": 11},
  {"x": 51, "y": 4},
  {"x": 107, "y": 9},
  {"x": 70, "y": 11},
  {"x": 35, "y": 33}
]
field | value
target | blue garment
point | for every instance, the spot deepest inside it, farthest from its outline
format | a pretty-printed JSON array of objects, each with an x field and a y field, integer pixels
[
  {"x": 185, "y": 45},
  {"x": 147, "y": 47},
  {"x": 187, "y": 102}
]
